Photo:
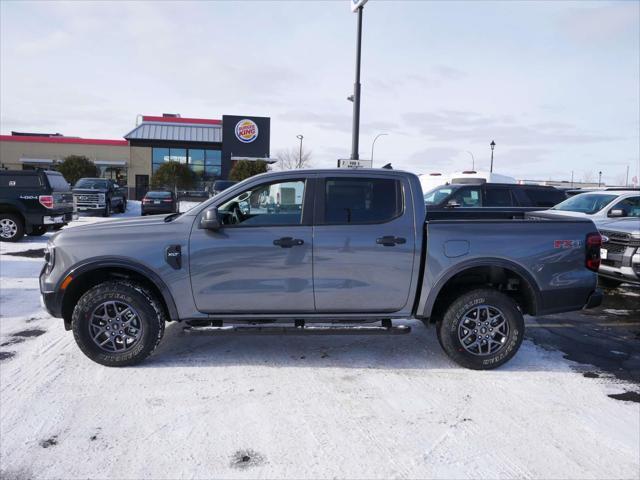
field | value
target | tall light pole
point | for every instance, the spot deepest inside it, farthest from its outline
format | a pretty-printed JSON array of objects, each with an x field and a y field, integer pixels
[
  {"x": 356, "y": 86},
  {"x": 599, "y": 178},
  {"x": 473, "y": 160},
  {"x": 373, "y": 144},
  {"x": 492, "y": 145},
  {"x": 300, "y": 137}
]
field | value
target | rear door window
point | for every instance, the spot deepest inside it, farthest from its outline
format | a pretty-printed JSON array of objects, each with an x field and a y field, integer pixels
[
  {"x": 498, "y": 197},
  {"x": 352, "y": 201}
]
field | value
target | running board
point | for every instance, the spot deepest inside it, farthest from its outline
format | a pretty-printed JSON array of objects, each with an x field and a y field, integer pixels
[{"x": 316, "y": 330}]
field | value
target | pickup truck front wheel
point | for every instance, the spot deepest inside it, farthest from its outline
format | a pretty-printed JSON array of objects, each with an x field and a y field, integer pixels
[
  {"x": 482, "y": 329},
  {"x": 118, "y": 323}
]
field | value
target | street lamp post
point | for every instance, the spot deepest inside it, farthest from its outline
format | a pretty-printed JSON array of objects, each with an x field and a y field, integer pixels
[
  {"x": 492, "y": 145},
  {"x": 356, "y": 93},
  {"x": 473, "y": 160},
  {"x": 373, "y": 144},
  {"x": 599, "y": 178},
  {"x": 300, "y": 137}
]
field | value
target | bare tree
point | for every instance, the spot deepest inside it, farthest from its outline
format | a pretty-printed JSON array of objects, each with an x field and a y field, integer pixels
[
  {"x": 587, "y": 177},
  {"x": 291, "y": 159}
]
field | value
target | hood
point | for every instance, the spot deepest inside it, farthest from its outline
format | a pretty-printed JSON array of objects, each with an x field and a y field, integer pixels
[
  {"x": 563, "y": 213},
  {"x": 89, "y": 190},
  {"x": 624, "y": 225},
  {"x": 116, "y": 225}
]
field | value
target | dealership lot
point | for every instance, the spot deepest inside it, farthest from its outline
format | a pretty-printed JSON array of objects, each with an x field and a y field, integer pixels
[{"x": 320, "y": 407}]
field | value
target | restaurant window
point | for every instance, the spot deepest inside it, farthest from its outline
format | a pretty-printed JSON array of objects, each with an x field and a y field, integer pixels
[{"x": 205, "y": 163}]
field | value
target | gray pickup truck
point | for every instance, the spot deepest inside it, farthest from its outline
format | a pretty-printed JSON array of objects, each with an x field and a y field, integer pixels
[{"x": 317, "y": 251}]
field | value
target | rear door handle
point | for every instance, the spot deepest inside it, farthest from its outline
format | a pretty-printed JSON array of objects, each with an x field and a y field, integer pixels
[
  {"x": 288, "y": 242},
  {"x": 390, "y": 241}
]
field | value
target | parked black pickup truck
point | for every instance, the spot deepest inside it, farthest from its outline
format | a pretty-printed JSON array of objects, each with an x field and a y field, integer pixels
[
  {"x": 99, "y": 195},
  {"x": 33, "y": 202}
]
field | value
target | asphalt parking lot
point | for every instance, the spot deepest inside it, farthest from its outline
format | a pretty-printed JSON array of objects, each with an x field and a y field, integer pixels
[{"x": 604, "y": 340}]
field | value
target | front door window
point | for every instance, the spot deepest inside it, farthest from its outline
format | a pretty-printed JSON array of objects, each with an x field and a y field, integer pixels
[{"x": 279, "y": 203}]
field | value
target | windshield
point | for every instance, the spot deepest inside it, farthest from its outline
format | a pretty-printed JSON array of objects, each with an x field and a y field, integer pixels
[
  {"x": 437, "y": 195},
  {"x": 158, "y": 195},
  {"x": 588, "y": 203},
  {"x": 92, "y": 183}
]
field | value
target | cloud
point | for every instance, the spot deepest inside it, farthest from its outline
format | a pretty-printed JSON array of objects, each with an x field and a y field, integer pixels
[
  {"x": 451, "y": 125},
  {"x": 597, "y": 24}
]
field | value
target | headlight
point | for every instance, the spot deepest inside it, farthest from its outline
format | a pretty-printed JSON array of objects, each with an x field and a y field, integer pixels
[
  {"x": 50, "y": 257},
  {"x": 101, "y": 197}
]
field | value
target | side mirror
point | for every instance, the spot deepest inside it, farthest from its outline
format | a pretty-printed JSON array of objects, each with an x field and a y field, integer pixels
[
  {"x": 209, "y": 220},
  {"x": 452, "y": 204},
  {"x": 616, "y": 212}
]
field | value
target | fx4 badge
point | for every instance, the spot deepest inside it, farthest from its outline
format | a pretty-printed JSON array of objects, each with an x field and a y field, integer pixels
[{"x": 567, "y": 243}]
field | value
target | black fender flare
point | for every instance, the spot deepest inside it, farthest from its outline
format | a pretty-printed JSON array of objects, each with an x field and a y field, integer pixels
[
  {"x": 427, "y": 309},
  {"x": 128, "y": 264}
]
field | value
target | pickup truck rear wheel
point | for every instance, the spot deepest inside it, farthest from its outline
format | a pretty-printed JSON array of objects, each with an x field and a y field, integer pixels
[
  {"x": 11, "y": 227},
  {"x": 118, "y": 323},
  {"x": 482, "y": 329}
]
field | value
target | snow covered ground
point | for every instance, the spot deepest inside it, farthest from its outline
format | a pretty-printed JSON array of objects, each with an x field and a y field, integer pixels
[{"x": 291, "y": 407}]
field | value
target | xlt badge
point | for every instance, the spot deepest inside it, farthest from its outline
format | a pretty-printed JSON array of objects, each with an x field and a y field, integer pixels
[{"x": 173, "y": 256}]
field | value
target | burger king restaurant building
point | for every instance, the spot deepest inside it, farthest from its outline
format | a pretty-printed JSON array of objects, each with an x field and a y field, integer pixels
[{"x": 210, "y": 147}]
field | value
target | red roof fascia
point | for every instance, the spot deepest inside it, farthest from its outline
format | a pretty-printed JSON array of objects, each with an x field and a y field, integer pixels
[
  {"x": 204, "y": 121},
  {"x": 80, "y": 141}
]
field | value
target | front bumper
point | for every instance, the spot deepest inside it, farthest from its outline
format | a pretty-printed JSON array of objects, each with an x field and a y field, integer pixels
[{"x": 51, "y": 301}]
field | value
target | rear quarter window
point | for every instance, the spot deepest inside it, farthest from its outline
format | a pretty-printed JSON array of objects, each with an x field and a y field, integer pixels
[
  {"x": 58, "y": 183},
  {"x": 20, "y": 181}
]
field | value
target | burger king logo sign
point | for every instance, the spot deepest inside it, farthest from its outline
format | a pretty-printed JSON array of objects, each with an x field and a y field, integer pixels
[{"x": 246, "y": 130}]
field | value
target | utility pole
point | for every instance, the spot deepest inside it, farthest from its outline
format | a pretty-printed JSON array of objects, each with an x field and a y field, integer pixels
[
  {"x": 356, "y": 91},
  {"x": 300, "y": 137},
  {"x": 492, "y": 145},
  {"x": 626, "y": 180},
  {"x": 571, "y": 178}
]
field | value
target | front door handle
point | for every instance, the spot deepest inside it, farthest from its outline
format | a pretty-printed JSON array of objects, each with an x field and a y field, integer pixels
[
  {"x": 390, "y": 241},
  {"x": 288, "y": 242}
]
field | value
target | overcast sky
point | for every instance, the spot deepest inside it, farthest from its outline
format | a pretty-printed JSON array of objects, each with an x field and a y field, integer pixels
[{"x": 555, "y": 84}]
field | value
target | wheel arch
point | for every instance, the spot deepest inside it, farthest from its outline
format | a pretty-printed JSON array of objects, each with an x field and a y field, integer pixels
[
  {"x": 503, "y": 275},
  {"x": 87, "y": 275}
]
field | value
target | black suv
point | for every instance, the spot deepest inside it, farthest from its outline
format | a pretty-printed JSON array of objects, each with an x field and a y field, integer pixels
[
  {"x": 33, "y": 202},
  {"x": 501, "y": 199}
]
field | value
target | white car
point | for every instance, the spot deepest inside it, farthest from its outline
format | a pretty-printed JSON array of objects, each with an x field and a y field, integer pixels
[{"x": 601, "y": 206}]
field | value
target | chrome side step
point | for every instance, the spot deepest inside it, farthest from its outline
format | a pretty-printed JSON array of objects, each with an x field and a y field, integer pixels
[{"x": 302, "y": 330}]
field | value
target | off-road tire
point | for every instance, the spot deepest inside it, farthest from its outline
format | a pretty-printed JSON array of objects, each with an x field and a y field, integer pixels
[
  {"x": 454, "y": 315},
  {"x": 37, "y": 231},
  {"x": 605, "y": 282},
  {"x": 107, "y": 209},
  {"x": 19, "y": 227},
  {"x": 149, "y": 310},
  {"x": 123, "y": 206}
]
